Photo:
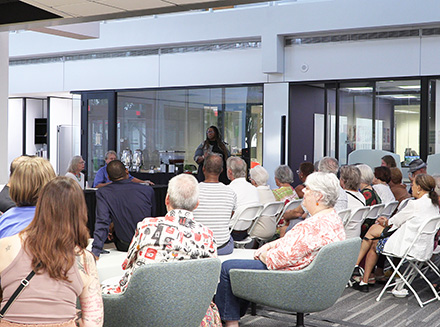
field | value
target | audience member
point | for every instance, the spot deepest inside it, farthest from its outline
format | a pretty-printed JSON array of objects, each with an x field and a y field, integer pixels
[
  {"x": 399, "y": 190},
  {"x": 283, "y": 179},
  {"x": 331, "y": 165},
  {"x": 437, "y": 183},
  {"x": 125, "y": 204},
  {"x": 266, "y": 226},
  {"x": 295, "y": 251},
  {"x": 212, "y": 144},
  {"x": 53, "y": 246},
  {"x": 174, "y": 237},
  {"x": 388, "y": 161},
  {"x": 416, "y": 167},
  {"x": 26, "y": 182},
  {"x": 247, "y": 194},
  {"x": 305, "y": 169},
  {"x": 366, "y": 188},
  {"x": 102, "y": 178},
  {"x": 5, "y": 199},
  {"x": 382, "y": 176},
  {"x": 217, "y": 203},
  {"x": 74, "y": 171},
  {"x": 350, "y": 181},
  {"x": 396, "y": 234}
]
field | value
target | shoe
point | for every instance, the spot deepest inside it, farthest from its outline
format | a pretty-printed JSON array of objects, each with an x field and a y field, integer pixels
[
  {"x": 357, "y": 274},
  {"x": 371, "y": 281},
  {"x": 362, "y": 288},
  {"x": 382, "y": 279}
]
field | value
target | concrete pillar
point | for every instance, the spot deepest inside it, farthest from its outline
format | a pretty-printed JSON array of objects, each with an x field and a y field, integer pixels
[{"x": 4, "y": 94}]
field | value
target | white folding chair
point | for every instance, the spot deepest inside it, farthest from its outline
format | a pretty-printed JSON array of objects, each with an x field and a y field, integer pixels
[
  {"x": 353, "y": 224},
  {"x": 264, "y": 227},
  {"x": 248, "y": 215},
  {"x": 425, "y": 236},
  {"x": 289, "y": 206},
  {"x": 375, "y": 211},
  {"x": 403, "y": 204},
  {"x": 345, "y": 215},
  {"x": 389, "y": 209}
]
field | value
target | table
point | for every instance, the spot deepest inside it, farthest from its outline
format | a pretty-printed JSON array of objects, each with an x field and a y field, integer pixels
[
  {"x": 109, "y": 264},
  {"x": 160, "y": 192}
]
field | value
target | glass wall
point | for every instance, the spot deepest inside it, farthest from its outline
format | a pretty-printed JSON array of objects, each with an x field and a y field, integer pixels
[{"x": 176, "y": 120}]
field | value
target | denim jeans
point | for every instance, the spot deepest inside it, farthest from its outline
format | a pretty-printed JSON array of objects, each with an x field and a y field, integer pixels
[
  {"x": 228, "y": 248},
  {"x": 230, "y": 306}
]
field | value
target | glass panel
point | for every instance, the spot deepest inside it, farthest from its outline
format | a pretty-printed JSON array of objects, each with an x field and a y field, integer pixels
[
  {"x": 98, "y": 134},
  {"x": 356, "y": 116},
  {"x": 434, "y": 117}
]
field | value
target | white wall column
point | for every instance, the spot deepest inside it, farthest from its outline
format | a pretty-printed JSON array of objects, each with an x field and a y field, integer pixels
[
  {"x": 276, "y": 104},
  {"x": 4, "y": 94}
]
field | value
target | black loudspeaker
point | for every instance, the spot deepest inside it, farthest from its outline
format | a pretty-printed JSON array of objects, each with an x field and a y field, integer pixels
[
  {"x": 283, "y": 140},
  {"x": 246, "y": 156}
]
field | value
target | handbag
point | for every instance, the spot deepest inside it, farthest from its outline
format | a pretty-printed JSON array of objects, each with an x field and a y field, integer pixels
[{"x": 23, "y": 284}]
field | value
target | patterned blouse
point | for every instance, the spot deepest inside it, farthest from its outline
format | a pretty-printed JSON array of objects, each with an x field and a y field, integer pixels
[
  {"x": 285, "y": 193},
  {"x": 297, "y": 249},
  {"x": 171, "y": 238},
  {"x": 371, "y": 197}
]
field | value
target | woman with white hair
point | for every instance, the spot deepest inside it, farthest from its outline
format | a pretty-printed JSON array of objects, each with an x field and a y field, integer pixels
[
  {"x": 74, "y": 170},
  {"x": 296, "y": 250},
  {"x": 259, "y": 177},
  {"x": 366, "y": 188},
  {"x": 283, "y": 179}
]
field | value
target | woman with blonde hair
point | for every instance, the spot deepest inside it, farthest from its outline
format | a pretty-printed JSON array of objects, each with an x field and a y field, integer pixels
[
  {"x": 25, "y": 184},
  {"x": 53, "y": 247},
  {"x": 74, "y": 171}
]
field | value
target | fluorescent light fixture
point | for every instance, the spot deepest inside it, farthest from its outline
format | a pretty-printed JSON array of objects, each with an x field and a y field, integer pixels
[
  {"x": 404, "y": 96},
  {"x": 409, "y": 87},
  {"x": 402, "y": 111},
  {"x": 360, "y": 88}
]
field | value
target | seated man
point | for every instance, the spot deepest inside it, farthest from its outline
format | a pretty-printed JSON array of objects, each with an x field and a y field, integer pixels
[
  {"x": 171, "y": 238},
  {"x": 125, "y": 204},
  {"x": 247, "y": 194},
  {"x": 101, "y": 177},
  {"x": 217, "y": 204}
]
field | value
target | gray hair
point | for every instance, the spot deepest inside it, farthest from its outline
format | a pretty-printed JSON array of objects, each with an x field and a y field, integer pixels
[
  {"x": 237, "y": 166},
  {"x": 183, "y": 192},
  {"x": 437, "y": 183},
  {"x": 351, "y": 176},
  {"x": 73, "y": 164},
  {"x": 260, "y": 175},
  {"x": 367, "y": 175},
  {"x": 109, "y": 153},
  {"x": 328, "y": 165},
  {"x": 284, "y": 174},
  {"x": 325, "y": 183}
]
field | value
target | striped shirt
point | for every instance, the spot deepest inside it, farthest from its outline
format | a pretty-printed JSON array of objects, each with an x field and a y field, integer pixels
[{"x": 216, "y": 204}]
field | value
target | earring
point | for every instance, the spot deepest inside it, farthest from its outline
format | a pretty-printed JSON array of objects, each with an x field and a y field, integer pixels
[{"x": 317, "y": 204}]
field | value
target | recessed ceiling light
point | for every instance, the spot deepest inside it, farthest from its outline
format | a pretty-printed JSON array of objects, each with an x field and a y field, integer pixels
[{"x": 409, "y": 87}]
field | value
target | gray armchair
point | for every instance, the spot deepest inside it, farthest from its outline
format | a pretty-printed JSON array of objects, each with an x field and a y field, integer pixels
[
  {"x": 314, "y": 288},
  {"x": 165, "y": 294}
]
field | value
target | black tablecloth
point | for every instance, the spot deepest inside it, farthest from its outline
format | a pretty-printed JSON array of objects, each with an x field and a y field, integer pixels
[
  {"x": 156, "y": 178},
  {"x": 160, "y": 192}
]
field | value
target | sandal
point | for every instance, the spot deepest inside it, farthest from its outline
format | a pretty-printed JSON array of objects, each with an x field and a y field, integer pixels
[
  {"x": 381, "y": 279},
  {"x": 371, "y": 281}
]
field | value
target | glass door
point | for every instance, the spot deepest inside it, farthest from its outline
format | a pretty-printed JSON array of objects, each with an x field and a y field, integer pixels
[{"x": 99, "y": 135}]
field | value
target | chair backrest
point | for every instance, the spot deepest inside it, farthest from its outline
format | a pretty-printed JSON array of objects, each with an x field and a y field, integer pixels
[
  {"x": 264, "y": 226},
  {"x": 344, "y": 215},
  {"x": 165, "y": 294},
  {"x": 353, "y": 224},
  {"x": 248, "y": 214},
  {"x": 424, "y": 239},
  {"x": 375, "y": 211},
  {"x": 389, "y": 209},
  {"x": 289, "y": 206},
  {"x": 314, "y": 288},
  {"x": 403, "y": 204},
  {"x": 433, "y": 163},
  {"x": 371, "y": 157}
]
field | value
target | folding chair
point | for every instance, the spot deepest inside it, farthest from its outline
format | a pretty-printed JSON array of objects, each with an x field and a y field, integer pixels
[
  {"x": 389, "y": 209},
  {"x": 248, "y": 215},
  {"x": 353, "y": 224},
  {"x": 403, "y": 204},
  {"x": 264, "y": 227},
  {"x": 289, "y": 206},
  {"x": 425, "y": 238},
  {"x": 375, "y": 211},
  {"x": 345, "y": 215}
]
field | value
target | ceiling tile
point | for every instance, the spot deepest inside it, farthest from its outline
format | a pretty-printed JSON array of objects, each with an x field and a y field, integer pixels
[
  {"x": 135, "y": 4},
  {"x": 86, "y": 8}
]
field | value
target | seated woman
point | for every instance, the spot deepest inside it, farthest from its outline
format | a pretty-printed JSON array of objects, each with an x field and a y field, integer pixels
[
  {"x": 305, "y": 169},
  {"x": 350, "y": 181},
  {"x": 399, "y": 190},
  {"x": 388, "y": 161},
  {"x": 74, "y": 171},
  {"x": 28, "y": 178},
  {"x": 53, "y": 246},
  {"x": 283, "y": 179},
  {"x": 397, "y": 233},
  {"x": 296, "y": 250},
  {"x": 382, "y": 176}
]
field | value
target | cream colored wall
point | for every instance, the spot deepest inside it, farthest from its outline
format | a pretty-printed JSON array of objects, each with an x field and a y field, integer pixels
[{"x": 407, "y": 129}]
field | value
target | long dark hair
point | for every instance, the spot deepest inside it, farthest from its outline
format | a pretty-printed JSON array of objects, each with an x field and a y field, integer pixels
[
  {"x": 427, "y": 183},
  {"x": 218, "y": 140},
  {"x": 58, "y": 231}
]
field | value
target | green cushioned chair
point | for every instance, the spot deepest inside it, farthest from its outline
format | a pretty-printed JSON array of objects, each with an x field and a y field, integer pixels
[
  {"x": 314, "y": 288},
  {"x": 165, "y": 295}
]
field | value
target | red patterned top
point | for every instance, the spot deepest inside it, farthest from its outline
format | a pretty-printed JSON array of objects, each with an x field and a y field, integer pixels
[{"x": 297, "y": 249}]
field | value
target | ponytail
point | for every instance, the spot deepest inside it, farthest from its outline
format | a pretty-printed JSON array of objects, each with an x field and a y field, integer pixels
[{"x": 434, "y": 197}]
